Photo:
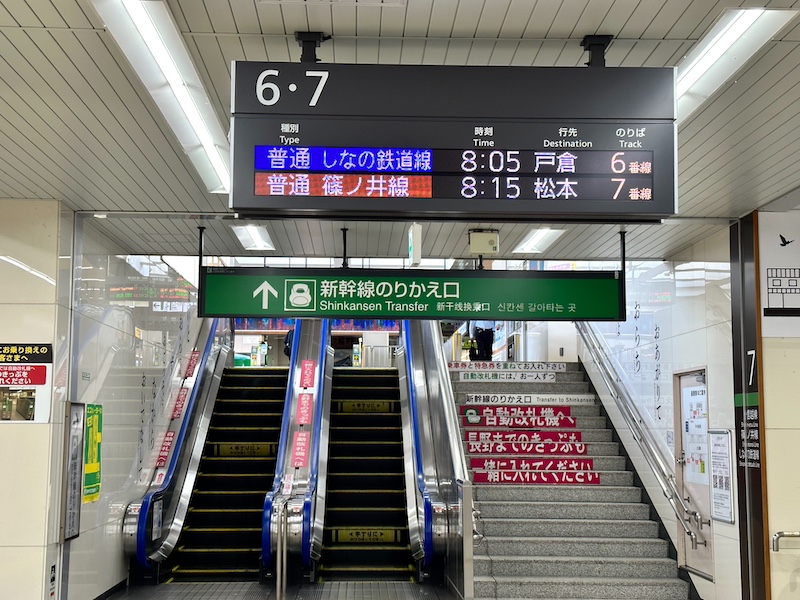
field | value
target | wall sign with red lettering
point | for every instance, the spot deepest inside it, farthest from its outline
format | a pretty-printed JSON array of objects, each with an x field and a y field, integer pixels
[
  {"x": 546, "y": 448},
  {"x": 474, "y": 419},
  {"x": 166, "y": 447},
  {"x": 21, "y": 375},
  {"x": 180, "y": 402},
  {"x": 307, "y": 374},
  {"x": 496, "y": 463},
  {"x": 540, "y": 477},
  {"x": 192, "y": 364},
  {"x": 506, "y": 436},
  {"x": 301, "y": 446},
  {"x": 305, "y": 409},
  {"x": 517, "y": 411}
]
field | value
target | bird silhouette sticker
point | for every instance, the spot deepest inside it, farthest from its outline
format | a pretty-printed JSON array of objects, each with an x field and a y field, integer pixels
[{"x": 784, "y": 241}]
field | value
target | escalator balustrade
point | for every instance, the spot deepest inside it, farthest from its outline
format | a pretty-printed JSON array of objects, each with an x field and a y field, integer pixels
[
  {"x": 366, "y": 525},
  {"x": 221, "y": 539}
]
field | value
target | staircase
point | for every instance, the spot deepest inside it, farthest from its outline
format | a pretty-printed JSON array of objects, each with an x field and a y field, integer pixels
[
  {"x": 559, "y": 514},
  {"x": 221, "y": 538},
  {"x": 366, "y": 526}
]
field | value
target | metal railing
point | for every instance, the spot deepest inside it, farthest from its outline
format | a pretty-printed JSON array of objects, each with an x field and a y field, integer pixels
[
  {"x": 776, "y": 538},
  {"x": 633, "y": 418},
  {"x": 281, "y": 553}
]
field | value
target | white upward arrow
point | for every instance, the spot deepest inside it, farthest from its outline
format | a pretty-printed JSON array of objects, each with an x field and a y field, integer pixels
[{"x": 266, "y": 289}]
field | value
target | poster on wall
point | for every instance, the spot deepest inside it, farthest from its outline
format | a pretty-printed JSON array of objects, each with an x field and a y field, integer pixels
[
  {"x": 91, "y": 453},
  {"x": 695, "y": 430},
  {"x": 779, "y": 270},
  {"x": 26, "y": 372},
  {"x": 721, "y": 475},
  {"x": 72, "y": 512}
]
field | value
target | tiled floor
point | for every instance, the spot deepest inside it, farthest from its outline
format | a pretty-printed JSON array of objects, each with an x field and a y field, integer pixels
[{"x": 254, "y": 591}]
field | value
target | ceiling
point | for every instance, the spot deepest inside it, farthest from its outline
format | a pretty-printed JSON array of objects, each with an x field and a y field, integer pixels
[{"x": 77, "y": 125}]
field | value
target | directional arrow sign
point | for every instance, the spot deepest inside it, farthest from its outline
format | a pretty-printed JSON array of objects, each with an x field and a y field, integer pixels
[
  {"x": 266, "y": 289},
  {"x": 411, "y": 293}
]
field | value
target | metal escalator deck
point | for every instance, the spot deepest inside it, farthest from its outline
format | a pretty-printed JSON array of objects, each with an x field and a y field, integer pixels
[
  {"x": 366, "y": 526},
  {"x": 221, "y": 538}
]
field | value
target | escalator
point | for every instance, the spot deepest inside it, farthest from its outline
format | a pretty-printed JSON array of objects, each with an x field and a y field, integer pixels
[
  {"x": 221, "y": 536},
  {"x": 366, "y": 534}
]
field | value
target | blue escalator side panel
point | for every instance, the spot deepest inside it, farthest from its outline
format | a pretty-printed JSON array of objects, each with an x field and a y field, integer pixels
[
  {"x": 315, "y": 445},
  {"x": 266, "y": 531},
  {"x": 147, "y": 502}
]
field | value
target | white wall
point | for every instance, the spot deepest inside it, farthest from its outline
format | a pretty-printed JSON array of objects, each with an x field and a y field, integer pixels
[
  {"x": 32, "y": 310},
  {"x": 678, "y": 318},
  {"x": 779, "y": 388}
]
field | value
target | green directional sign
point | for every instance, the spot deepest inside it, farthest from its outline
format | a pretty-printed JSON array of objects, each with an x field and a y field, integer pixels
[{"x": 411, "y": 294}]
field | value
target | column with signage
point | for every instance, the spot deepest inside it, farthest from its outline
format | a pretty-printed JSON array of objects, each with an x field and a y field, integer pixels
[{"x": 750, "y": 472}]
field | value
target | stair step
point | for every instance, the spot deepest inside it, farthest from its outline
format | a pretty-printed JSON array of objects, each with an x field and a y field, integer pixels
[
  {"x": 535, "y": 547},
  {"x": 573, "y": 528},
  {"x": 576, "y": 566},
  {"x": 557, "y": 493},
  {"x": 562, "y": 510},
  {"x": 581, "y": 587}
]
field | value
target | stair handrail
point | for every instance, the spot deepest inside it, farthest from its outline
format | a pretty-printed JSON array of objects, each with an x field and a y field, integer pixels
[
  {"x": 776, "y": 538},
  {"x": 461, "y": 516},
  {"x": 421, "y": 514},
  {"x": 642, "y": 436}
]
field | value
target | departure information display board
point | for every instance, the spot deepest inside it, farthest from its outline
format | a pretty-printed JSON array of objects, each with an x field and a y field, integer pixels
[{"x": 329, "y": 142}]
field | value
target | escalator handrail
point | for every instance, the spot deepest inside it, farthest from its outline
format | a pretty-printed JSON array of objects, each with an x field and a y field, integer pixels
[
  {"x": 420, "y": 477},
  {"x": 266, "y": 517},
  {"x": 316, "y": 437},
  {"x": 460, "y": 468},
  {"x": 141, "y": 530}
]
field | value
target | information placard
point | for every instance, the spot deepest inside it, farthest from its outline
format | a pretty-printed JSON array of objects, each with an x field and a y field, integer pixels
[{"x": 721, "y": 475}]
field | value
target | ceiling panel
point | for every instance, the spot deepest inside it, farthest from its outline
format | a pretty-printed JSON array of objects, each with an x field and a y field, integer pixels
[{"x": 76, "y": 124}]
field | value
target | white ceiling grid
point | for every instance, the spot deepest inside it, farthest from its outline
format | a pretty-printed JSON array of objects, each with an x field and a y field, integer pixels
[{"x": 77, "y": 125}]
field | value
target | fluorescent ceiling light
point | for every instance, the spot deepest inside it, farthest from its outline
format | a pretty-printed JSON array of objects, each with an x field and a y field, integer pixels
[
  {"x": 253, "y": 237},
  {"x": 150, "y": 40},
  {"x": 28, "y": 269},
  {"x": 729, "y": 44},
  {"x": 538, "y": 240}
]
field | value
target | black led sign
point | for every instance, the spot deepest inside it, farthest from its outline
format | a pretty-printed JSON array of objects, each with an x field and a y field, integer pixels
[{"x": 473, "y": 143}]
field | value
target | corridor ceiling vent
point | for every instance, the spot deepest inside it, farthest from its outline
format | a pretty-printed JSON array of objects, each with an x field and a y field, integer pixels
[
  {"x": 733, "y": 40},
  {"x": 253, "y": 237},
  {"x": 538, "y": 240},
  {"x": 149, "y": 38}
]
